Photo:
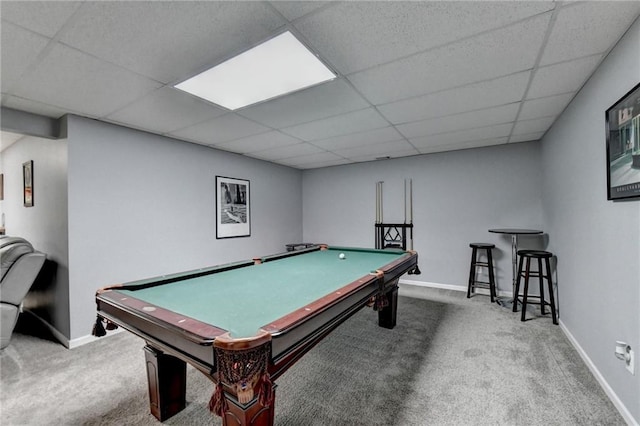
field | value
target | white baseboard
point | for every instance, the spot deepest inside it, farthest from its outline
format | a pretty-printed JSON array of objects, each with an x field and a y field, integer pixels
[
  {"x": 433, "y": 285},
  {"x": 79, "y": 341},
  {"x": 624, "y": 412},
  {"x": 449, "y": 287},
  {"x": 73, "y": 343},
  {"x": 57, "y": 334},
  {"x": 61, "y": 337}
]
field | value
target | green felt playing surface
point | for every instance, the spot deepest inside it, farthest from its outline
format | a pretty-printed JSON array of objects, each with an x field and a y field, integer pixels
[{"x": 245, "y": 299}]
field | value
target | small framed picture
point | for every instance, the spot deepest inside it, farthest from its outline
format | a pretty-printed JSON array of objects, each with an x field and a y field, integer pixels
[
  {"x": 27, "y": 179},
  {"x": 623, "y": 147},
  {"x": 233, "y": 213}
]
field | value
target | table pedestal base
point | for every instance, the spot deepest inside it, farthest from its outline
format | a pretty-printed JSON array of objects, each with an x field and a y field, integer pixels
[
  {"x": 167, "y": 380},
  {"x": 251, "y": 414},
  {"x": 387, "y": 315}
]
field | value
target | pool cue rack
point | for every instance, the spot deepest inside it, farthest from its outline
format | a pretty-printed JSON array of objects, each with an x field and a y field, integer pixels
[
  {"x": 395, "y": 235},
  {"x": 392, "y": 235}
]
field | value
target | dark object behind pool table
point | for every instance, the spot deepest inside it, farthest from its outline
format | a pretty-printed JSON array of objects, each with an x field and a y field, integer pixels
[{"x": 311, "y": 291}]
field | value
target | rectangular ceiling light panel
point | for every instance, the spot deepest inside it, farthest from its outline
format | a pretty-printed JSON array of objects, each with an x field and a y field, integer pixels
[{"x": 274, "y": 68}]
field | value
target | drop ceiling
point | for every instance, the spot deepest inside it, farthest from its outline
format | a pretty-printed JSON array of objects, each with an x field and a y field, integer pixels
[{"x": 413, "y": 77}]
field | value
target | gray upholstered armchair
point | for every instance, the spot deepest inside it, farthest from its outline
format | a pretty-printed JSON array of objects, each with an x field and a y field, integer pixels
[{"x": 20, "y": 264}]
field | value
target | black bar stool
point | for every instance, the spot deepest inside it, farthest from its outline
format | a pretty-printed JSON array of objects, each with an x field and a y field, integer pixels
[
  {"x": 542, "y": 275},
  {"x": 473, "y": 283}
]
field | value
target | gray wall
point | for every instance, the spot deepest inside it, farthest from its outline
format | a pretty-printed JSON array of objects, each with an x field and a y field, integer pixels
[
  {"x": 44, "y": 224},
  {"x": 597, "y": 241},
  {"x": 142, "y": 205},
  {"x": 457, "y": 197}
]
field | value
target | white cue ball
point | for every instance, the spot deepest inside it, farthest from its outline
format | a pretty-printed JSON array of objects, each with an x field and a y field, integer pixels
[{"x": 342, "y": 256}]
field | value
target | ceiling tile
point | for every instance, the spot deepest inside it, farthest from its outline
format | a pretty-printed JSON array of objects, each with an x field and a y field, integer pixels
[
  {"x": 68, "y": 78},
  {"x": 313, "y": 160},
  {"x": 357, "y": 35},
  {"x": 499, "y": 91},
  {"x": 526, "y": 138},
  {"x": 579, "y": 30},
  {"x": 377, "y": 150},
  {"x": 463, "y": 145},
  {"x": 293, "y": 10},
  {"x": 353, "y": 122},
  {"x": 544, "y": 107},
  {"x": 533, "y": 126},
  {"x": 43, "y": 17},
  {"x": 562, "y": 78},
  {"x": 186, "y": 36},
  {"x": 164, "y": 110},
  {"x": 467, "y": 120},
  {"x": 483, "y": 133},
  {"x": 382, "y": 156},
  {"x": 20, "y": 49},
  {"x": 385, "y": 134},
  {"x": 219, "y": 130},
  {"x": 260, "y": 142},
  {"x": 288, "y": 151},
  {"x": 494, "y": 54},
  {"x": 324, "y": 100},
  {"x": 331, "y": 163}
]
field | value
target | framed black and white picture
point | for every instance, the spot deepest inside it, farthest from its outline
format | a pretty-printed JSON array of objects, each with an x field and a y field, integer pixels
[
  {"x": 233, "y": 215},
  {"x": 27, "y": 180},
  {"x": 623, "y": 147}
]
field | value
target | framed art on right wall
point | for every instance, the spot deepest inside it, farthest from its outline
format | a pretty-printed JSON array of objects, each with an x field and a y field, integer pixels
[{"x": 623, "y": 147}]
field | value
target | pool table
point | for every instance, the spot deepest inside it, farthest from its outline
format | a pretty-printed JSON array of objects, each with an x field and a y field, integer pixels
[{"x": 243, "y": 324}]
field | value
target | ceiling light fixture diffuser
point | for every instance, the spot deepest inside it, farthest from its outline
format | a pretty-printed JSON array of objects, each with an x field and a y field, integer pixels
[{"x": 274, "y": 68}]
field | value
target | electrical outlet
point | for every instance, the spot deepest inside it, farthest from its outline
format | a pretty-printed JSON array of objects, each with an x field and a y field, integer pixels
[{"x": 630, "y": 361}]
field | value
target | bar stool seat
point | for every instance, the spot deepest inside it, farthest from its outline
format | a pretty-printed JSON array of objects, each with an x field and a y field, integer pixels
[
  {"x": 475, "y": 263},
  {"x": 542, "y": 274}
]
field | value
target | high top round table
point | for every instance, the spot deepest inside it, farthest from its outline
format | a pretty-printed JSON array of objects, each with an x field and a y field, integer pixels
[{"x": 514, "y": 232}]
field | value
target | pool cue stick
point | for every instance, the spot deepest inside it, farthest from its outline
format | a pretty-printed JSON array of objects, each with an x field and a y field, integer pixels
[
  {"x": 405, "y": 217},
  {"x": 405, "y": 201},
  {"x": 377, "y": 202},
  {"x": 416, "y": 270},
  {"x": 381, "y": 203},
  {"x": 378, "y": 229},
  {"x": 410, "y": 200},
  {"x": 411, "y": 212}
]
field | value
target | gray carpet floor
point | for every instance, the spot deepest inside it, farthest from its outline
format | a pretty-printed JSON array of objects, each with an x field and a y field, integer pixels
[{"x": 449, "y": 361}]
